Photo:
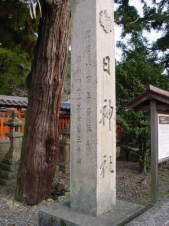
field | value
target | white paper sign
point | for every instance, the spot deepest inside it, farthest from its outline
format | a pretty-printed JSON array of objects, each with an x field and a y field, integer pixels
[{"x": 163, "y": 137}]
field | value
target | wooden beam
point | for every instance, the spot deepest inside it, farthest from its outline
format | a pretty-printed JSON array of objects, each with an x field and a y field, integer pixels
[
  {"x": 160, "y": 108},
  {"x": 154, "y": 151}
]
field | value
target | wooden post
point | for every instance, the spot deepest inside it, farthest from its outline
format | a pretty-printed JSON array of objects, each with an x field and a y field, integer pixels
[{"x": 154, "y": 151}]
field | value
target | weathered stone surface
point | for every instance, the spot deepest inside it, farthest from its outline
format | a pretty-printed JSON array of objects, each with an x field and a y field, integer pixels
[
  {"x": 8, "y": 172},
  {"x": 63, "y": 215},
  {"x": 93, "y": 139},
  {"x": 4, "y": 148}
]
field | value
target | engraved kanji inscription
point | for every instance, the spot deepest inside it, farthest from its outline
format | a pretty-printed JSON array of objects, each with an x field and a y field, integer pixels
[
  {"x": 106, "y": 64},
  {"x": 106, "y": 113},
  {"x": 105, "y": 21}
]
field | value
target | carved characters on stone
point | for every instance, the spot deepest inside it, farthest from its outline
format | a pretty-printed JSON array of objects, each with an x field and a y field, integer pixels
[
  {"x": 106, "y": 64},
  {"x": 111, "y": 164},
  {"x": 107, "y": 163},
  {"x": 79, "y": 133},
  {"x": 78, "y": 114},
  {"x": 103, "y": 166},
  {"x": 106, "y": 113},
  {"x": 105, "y": 21},
  {"x": 88, "y": 119}
]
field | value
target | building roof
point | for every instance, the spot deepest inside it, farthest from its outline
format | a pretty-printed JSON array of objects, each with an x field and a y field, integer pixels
[
  {"x": 15, "y": 101},
  {"x": 65, "y": 105},
  {"x": 142, "y": 102}
]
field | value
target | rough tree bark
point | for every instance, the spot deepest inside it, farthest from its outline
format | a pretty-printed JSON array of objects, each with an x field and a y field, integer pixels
[{"x": 40, "y": 144}]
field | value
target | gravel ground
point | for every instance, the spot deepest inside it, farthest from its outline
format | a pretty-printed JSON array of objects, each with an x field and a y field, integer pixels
[
  {"x": 131, "y": 186},
  {"x": 13, "y": 213}
]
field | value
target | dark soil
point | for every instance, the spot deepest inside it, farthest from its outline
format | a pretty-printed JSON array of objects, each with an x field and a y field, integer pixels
[{"x": 135, "y": 187}]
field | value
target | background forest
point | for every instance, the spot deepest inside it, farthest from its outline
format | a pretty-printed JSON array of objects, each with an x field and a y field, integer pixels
[{"x": 142, "y": 62}]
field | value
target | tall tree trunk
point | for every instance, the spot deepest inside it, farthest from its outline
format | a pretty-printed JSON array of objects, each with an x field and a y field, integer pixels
[{"x": 40, "y": 144}]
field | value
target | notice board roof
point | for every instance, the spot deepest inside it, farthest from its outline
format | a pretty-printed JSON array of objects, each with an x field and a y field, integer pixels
[{"x": 142, "y": 102}]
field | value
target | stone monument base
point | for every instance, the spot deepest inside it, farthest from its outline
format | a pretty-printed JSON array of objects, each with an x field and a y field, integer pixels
[{"x": 63, "y": 215}]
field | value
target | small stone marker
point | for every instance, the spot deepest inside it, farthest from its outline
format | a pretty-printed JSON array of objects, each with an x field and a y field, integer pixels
[
  {"x": 15, "y": 136},
  {"x": 93, "y": 138},
  {"x": 9, "y": 165}
]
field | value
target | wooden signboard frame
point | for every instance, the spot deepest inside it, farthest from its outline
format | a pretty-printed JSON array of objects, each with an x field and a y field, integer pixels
[
  {"x": 156, "y": 101},
  {"x": 155, "y": 160},
  {"x": 154, "y": 151}
]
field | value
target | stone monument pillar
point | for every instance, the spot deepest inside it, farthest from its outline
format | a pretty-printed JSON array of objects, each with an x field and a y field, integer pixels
[
  {"x": 9, "y": 165},
  {"x": 93, "y": 139}
]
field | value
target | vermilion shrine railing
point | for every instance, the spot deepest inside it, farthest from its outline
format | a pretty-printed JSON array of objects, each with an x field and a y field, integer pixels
[{"x": 64, "y": 121}]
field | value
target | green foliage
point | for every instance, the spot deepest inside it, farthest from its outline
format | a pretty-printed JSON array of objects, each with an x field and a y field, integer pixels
[
  {"x": 154, "y": 17},
  {"x": 14, "y": 67},
  {"x": 163, "y": 43},
  {"x": 159, "y": 20},
  {"x": 18, "y": 34},
  {"x": 139, "y": 67},
  {"x": 128, "y": 17},
  {"x": 17, "y": 28}
]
